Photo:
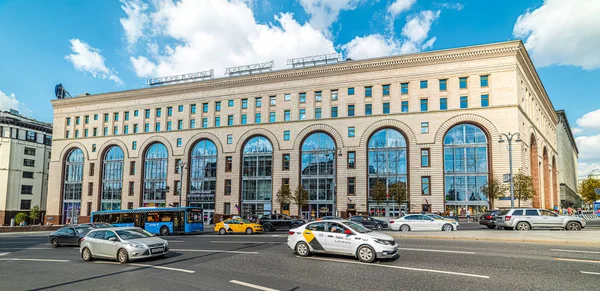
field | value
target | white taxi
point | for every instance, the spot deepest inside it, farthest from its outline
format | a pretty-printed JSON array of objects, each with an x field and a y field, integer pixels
[{"x": 341, "y": 237}]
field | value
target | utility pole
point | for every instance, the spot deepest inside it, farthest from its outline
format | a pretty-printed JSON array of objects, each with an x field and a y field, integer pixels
[
  {"x": 181, "y": 167},
  {"x": 510, "y": 137}
]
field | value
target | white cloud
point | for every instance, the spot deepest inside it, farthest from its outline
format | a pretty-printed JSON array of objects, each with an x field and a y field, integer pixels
[
  {"x": 88, "y": 59},
  {"x": 576, "y": 130},
  {"x": 584, "y": 169},
  {"x": 400, "y": 6},
  {"x": 451, "y": 6},
  {"x": 590, "y": 120},
  {"x": 588, "y": 147},
  {"x": 325, "y": 12},
  {"x": 562, "y": 33},
  {"x": 136, "y": 19},
  {"x": 417, "y": 26},
  {"x": 371, "y": 46},
  {"x": 9, "y": 101}
]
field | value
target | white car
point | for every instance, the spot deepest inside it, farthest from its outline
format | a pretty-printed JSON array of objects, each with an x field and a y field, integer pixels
[
  {"x": 422, "y": 222},
  {"x": 341, "y": 237}
]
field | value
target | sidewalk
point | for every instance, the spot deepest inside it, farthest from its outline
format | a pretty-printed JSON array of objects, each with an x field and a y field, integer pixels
[{"x": 584, "y": 237}]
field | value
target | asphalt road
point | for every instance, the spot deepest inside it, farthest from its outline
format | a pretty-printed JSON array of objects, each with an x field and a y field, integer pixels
[{"x": 214, "y": 262}]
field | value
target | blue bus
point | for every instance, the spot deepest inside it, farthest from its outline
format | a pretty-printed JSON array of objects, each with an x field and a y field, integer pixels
[{"x": 156, "y": 220}]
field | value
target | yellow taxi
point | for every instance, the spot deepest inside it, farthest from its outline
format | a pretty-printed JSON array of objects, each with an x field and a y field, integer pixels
[{"x": 238, "y": 226}]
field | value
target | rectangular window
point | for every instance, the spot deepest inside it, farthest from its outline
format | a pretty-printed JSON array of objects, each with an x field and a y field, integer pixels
[
  {"x": 204, "y": 122},
  {"x": 76, "y": 133},
  {"x": 227, "y": 192},
  {"x": 26, "y": 189},
  {"x": 302, "y": 114},
  {"x": 86, "y": 132},
  {"x": 106, "y": 117},
  {"x": 68, "y": 120},
  {"x": 179, "y": 124},
  {"x": 425, "y": 185},
  {"x": 169, "y": 125},
  {"x": 351, "y": 160},
  {"x": 27, "y": 175},
  {"x": 334, "y": 112},
  {"x": 424, "y": 105},
  {"x": 125, "y": 129},
  {"x": 228, "y": 163},
  {"x": 244, "y": 103},
  {"x": 258, "y": 102},
  {"x": 485, "y": 100},
  {"x": 424, "y": 84},
  {"x": 351, "y": 91},
  {"x": 134, "y": 145},
  {"x": 132, "y": 168},
  {"x": 286, "y": 162},
  {"x": 443, "y": 103},
  {"x": 135, "y": 113},
  {"x": 386, "y": 90},
  {"x": 287, "y": 115},
  {"x": 257, "y": 118},
  {"x": 230, "y": 103},
  {"x": 116, "y": 116},
  {"x": 386, "y": 108},
  {"x": 217, "y": 121},
  {"x": 146, "y": 127},
  {"x": 230, "y": 120},
  {"x": 368, "y": 109},
  {"x": 177, "y": 190},
  {"x": 286, "y": 135},
  {"x": 95, "y": 131},
  {"x": 169, "y": 111},
  {"x": 368, "y": 91},
  {"x": 424, "y": 127},
  {"x": 105, "y": 131},
  {"x": 285, "y": 181},
  {"x": 31, "y": 136},
  {"x": 93, "y": 148},
  {"x": 130, "y": 204},
  {"x": 317, "y": 113},
  {"x": 229, "y": 139},
  {"x": 425, "y": 158},
  {"x": 334, "y": 95},
  {"x": 205, "y": 107},
  {"x": 126, "y": 115},
  {"x": 96, "y": 116},
  {"x": 192, "y": 109},
  {"x": 25, "y": 204},
  {"x": 272, "y": 117},
  {"x": 287, "y": 97},
  {"x": 404, "y": 88},
  {"x": 135, "y": 129},
  {"x": 179, "y": 142},
  {"x": 302, "y": 97},
  {"x": 244, "y": 118},
  {"x": 218, "y": 106},
  {"x": 192, "y": 123},
  {"x": 462, "y": 82},
  {"x": 350, "y": 110},
  {"x": 464, "y": 102},
  {"x": 68, "y": 134},
  {"x": 351, "y": 132},
  {"x": 443, "y": 84},
  {"x": 87, "y": 118},
  {"x": 351, "y": 186},
  {"x": 273, "y": 100},
  {"x": 147, "y": 113},
  {"x": 92, "y": 166},
  {"x": 484, "y": 80},
  {"x": 177, "y": 166},
  {"x": 180, "y": 109},
  {"x": 404, "y": 106},
  {"x": 157, "y": 127},
  {"x": 318, "y": 96},
  {"x": 30, "y": 151}
]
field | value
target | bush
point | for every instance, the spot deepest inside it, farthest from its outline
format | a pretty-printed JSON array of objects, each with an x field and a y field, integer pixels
[{"x": 20, "y": 217}]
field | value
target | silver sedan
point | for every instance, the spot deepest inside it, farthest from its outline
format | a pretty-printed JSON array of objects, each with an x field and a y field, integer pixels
[{"x": 123, "y": 244}]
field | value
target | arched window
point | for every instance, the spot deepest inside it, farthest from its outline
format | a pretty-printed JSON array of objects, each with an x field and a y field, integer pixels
[
  {"x": 203, "y": 175},
  {"x": 72, "y": 186},
  {"x": 387, "y": 163},
  {"x": 155, "y": 176},
  {"x": 466, "y": 168},
  {"x": 257, "y": 171},
  {"x": 318, "y": 174},
  {"x": 112, "y": 179}
]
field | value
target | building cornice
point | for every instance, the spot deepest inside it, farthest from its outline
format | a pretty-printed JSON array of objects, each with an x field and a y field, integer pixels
[{"x": 563, "y": 115}]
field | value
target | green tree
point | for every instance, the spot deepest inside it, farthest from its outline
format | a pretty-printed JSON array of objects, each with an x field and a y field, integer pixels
[
  {"x": 523, "y": 187},
  {"x": 587, "y": 190},
  {"x": 378, "y": 193},
  {"x": 494, "y": 189},
  {"x": 398, "y": 193},
  {"x": 300, "y": 197},
  {"x": 20, "y": 217},
  {"x": 283, "y": 196},
  {"x": 34, "y": 214}
]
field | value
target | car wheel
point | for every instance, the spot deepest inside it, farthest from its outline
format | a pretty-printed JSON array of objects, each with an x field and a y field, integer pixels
[
  {"x": 123, "y": 256},
  {"x": 491, "y": 226},
  {"x": 86, "y": 255},
  {"x": 366, "y": 254},
  {"x": 268, "y": 227},
  {"x": 523, "y": 226},
  {"x": 573, "y": 226},
  {"x": 302, "y": 249},
  {"x": 164, "y": 231},
  {"x": 248, "y": 230},
  {"x": 447, "y": 227},
  {"x": 378, "y": 226},
  {"x": 404, "y": 228},
  {"x": 54, "y": 243},
  {"x": 294, "y": 226},
  {"x": 222, "y": 231}
]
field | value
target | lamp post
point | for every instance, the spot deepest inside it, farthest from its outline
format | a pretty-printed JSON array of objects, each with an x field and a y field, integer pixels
[
  {"x": 181, "y": 167},
  {"x": 510, "y": 137}
]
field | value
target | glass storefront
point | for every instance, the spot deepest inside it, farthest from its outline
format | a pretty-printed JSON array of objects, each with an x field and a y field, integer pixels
[
  {"x": 72, "y": 186},
  {"x": 203, "y": 175},
  {"x": 318, "y": 174},
  {"x": 155, "y": 176},
  {"x": 112, "y": 179},
  {"x": 257, "y": 171}
]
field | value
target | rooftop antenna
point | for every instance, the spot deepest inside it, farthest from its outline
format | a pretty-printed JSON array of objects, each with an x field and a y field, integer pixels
[
  {"x": 315, "y": 60},
  {"x": 250, "y": 69},
  {"x": 61, "y": 92},
  {"x": 183, "y": 78}
]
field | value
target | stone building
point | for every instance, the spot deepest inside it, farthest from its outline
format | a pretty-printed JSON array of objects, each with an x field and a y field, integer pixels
[{"x": 567, "y": 162}]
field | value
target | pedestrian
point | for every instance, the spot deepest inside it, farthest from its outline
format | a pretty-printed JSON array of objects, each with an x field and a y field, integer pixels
[
  {"x": 468, "y": 212},
  {"x": 451, "y": 213},
  {"x": 569, "y": 211}
]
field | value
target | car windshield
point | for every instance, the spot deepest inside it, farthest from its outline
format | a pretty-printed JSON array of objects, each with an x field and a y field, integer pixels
[
  {"x": 503, "y": 212},
  {"x": 357, "y": 227},
  {"x": 133, "y": 233},
  {"x": 245, "y": 220},
  {"x": 434, "y": 216}
]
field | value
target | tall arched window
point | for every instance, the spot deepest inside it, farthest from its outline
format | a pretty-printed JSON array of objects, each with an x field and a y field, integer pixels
[
  {"x": 155, "y": 176},
  {"x": 387, "y": 164},
  {"x": 72, "y": 186},
  {"x": 203, "y": 175},
  {"x": 466, "y": 168},
  {"x": 112, "y": 179},
  {"x": 257, "y": 171},
  {"x": 318, "y": 174}
]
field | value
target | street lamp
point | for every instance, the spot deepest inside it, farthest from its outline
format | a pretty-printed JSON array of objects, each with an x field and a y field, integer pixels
[
  {"x": 181, "y": 167},
  {"x": 510, "y": 137}
]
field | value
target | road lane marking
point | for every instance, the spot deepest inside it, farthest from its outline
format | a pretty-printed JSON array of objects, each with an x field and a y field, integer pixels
[
  {"x": 33, "y": 260},
  {"x": 213, "y": 251},
  {"x": 148, "y": 266},
  {"x": 577, "y": 260},
  {"x": 591, "y": 273},
  {"x": 244, "y": 242},
  {"x": 437, "y": 251},
  {"x": 399, "y": 267},
  {"x": 3, "y": 254},
  {"x": 174, "y": 241},
  {"x": 257, "y": 287},
  {"x": 574, "y": 251}
]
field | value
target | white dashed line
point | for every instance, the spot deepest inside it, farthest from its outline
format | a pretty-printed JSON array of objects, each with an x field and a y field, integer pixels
[
  {"x": 574, "y": 251},
  {"x": 437, "y": 251},
  {"x": 577, "y": 260},
  {"x": 257, "y": 287},
  {"x": 244, "y": 242},
  {"x": 590, "y": 273},
  {"x": 33, "y": 260},
  {"x": 213, "y": 251},
  {"x": 399, "y": 267},
  {"x": 148, "y": 266},
  {"x": 3, "y": 254},
  {"x": 175, "y": 241}
]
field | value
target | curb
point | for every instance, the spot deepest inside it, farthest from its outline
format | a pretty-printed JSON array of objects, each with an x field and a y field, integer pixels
[{"x": 493, "y": 239}]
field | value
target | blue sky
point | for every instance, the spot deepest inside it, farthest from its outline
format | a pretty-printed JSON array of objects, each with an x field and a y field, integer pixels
[{"x": 103, "y": 45}]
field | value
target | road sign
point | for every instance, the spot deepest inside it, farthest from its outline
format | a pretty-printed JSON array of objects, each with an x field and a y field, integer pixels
[
  {"x": 597, "y": 191},
  {"x": 506, "y": 178}
]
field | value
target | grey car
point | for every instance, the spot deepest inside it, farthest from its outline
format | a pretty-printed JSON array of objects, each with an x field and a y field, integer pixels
[
  {"x": 123, "y": 244},
  {"x": 528, "y": 218}
]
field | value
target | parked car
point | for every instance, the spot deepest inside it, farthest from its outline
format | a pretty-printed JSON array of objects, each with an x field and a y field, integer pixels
[
  {"x": 97, "y": 225},
  {"x": 238, "y": 225},
  {"x": 330, "y": 218},
  {"x": 439, "y": 217},
  {"x": 488, "y": 218},
  {"x": 273, "y": 222},
  {"x": 369, "y": 222},
  {"x": 341, "y": 237},
  {"x": 123, "y": 244},
  {"x": 528, "y": 218},
  {"x": 70, "y": 235},
  {"x": 416, "y": 222}
]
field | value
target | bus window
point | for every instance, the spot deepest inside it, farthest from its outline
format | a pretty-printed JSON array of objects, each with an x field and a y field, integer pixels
[
  {"x": 152, "y": 217},
  {"x": 115, "y": 218},
  {"x": 166, "y": 217},
  {"x": 127, "y": 218},
  {"x": 195, "y": 216}
]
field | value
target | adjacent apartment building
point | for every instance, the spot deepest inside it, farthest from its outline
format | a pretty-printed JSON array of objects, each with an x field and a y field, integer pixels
[
  {"x": 567, "y": 163},
  {"x": 428, "y": 122},
  {"x": 24, "y": 164}
]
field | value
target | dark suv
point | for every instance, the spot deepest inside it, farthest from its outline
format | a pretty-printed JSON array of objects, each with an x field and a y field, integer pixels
[
  {"x": 488, "y": 218},
  {"x": 369, "y": 222},
  {"x": 272, "y": 222}
]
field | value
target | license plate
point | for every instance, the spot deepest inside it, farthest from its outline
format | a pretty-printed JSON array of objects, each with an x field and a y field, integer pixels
[{"x": 157, "y": 250}]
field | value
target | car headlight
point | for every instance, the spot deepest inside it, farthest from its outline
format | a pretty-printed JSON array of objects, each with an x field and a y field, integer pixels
[
  {"x": 383, "y": 242},
  {"x": 136, "y": 246},
  {"x": 258, "y": 226}
]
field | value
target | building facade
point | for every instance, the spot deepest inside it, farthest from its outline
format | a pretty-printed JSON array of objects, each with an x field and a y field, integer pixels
[
  {"x": 567, "y": 163},
  {"x": 24, "y": 164},
  {"x": 428, "y": 123}
]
